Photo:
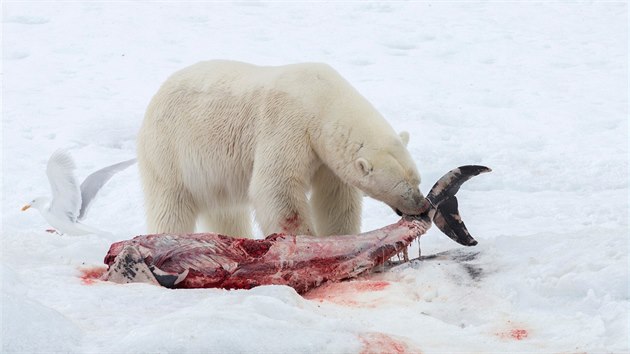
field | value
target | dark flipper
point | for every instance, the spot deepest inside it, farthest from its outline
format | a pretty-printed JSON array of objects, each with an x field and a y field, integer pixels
[
  {"x": 447, "y": 219},
  {"x": 166, "y": 279},
  {"x": 444, "y": 203}
]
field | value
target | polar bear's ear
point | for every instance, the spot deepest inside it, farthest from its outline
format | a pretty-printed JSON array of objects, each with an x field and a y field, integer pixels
[
  {"x": 404, "y": 136},
  {"x": 363, "y": 166}
]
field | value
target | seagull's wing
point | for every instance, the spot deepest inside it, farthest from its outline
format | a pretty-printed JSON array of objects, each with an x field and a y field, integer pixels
[
  {"x": 66, "y": 195},
  {"x": 94, "y": 182}
]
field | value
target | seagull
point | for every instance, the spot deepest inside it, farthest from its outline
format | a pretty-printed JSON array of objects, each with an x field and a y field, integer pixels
[{"x": 70, "y": 202}]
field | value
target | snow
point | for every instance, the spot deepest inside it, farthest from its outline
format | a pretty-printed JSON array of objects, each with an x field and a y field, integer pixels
[{"x": 536, "y": 91}]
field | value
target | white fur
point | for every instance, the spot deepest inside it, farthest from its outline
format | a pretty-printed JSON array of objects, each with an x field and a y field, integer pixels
[{"x": 221, "y": 136}]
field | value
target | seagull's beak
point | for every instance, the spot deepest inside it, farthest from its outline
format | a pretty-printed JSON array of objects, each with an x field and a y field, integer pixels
[{"x": 26, "y": 207}]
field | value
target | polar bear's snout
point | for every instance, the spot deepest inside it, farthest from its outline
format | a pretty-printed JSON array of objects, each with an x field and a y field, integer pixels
[
  {"x": 412, "y": 202},
  {"x": 392, "y": 178}
]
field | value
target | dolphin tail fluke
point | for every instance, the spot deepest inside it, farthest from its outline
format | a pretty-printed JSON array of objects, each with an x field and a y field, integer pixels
[
  {"x": 448, "y": 220},
  {"x": 445, "y": 213}
]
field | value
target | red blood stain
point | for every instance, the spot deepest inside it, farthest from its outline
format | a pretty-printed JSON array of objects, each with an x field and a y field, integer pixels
[
  {"x": 519, "y": 334},
  {"x": 382, "y": 343},
  {"x": 369, "y": 285},
  {"x": 90, "y": 275},
  {"x": 291, "y": 224},
  {"x": 516, "y": 334},
  {"x": 345, "y": 293}
]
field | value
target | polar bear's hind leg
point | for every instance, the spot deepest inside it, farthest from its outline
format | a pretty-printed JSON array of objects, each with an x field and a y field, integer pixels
[
  {"x": 170, "y": 210},
  {"x": 235, "y": 221}
]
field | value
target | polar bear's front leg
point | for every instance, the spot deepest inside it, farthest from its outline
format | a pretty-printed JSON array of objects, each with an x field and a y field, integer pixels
[
  {"x": 170, "y": 211},
  {"x": 278, "y": 195},
  {"x": 282, "y": 208},
  {"x": 336, "y": 205}
]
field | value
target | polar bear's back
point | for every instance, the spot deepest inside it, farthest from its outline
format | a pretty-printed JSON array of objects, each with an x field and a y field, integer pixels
[
  {"x": 238, "y": 77},
  {"x": 201, "y": 127}
]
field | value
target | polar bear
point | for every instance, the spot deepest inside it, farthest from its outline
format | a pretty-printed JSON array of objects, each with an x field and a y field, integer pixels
[{"x": 296, "y": 142}]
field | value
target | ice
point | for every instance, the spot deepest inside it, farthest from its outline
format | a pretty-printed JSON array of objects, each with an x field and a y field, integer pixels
[{"x": 536, "y": 91}]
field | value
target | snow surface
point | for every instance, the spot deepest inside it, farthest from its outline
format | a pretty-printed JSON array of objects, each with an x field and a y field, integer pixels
[{"x": 536, "y": 91}]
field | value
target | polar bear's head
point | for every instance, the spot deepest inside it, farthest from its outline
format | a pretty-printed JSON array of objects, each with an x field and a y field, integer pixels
[{"x": 388, "y": 174}]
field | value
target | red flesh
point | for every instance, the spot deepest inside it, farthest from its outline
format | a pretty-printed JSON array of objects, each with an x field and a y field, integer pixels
[{"x": 302, "y": 262}]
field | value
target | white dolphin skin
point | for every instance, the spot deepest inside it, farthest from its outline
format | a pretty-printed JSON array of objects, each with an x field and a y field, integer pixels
[{"x": 70, "y": 202}]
